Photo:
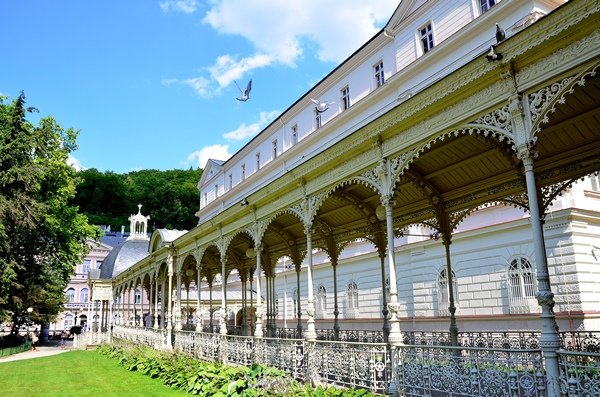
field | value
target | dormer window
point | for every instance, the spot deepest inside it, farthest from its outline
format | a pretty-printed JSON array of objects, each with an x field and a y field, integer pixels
[
  {"x": 426, "y": 37},
  {"x": 345, "y": 97},
  {"x": 379, "y": 77}
]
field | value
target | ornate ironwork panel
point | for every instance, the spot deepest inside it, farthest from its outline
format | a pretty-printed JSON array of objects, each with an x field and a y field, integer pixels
[
  {"x": 465, "y": 371},
  {"x": 287, "y": 355},
  {"x": 354, "y": 365},
  {"x": 239, "y": 350},
  {"x": 579, "y": 374}
]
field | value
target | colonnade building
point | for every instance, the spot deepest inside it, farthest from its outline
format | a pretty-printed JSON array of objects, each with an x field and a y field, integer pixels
[{"x": 447, "y": 195}]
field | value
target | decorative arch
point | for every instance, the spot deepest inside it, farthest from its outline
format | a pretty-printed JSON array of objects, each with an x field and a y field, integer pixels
[{"x": 544, "y": 101}]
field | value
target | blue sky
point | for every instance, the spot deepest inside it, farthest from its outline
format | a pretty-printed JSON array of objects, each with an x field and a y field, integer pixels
[{"x": 150, "y": 83}]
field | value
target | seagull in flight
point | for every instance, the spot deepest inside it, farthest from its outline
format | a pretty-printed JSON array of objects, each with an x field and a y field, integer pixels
[
  {"x": 246, "y": 93},
  {"x": 321, "y": 106}
]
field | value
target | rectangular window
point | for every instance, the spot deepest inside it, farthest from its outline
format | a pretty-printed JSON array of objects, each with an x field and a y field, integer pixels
[
  {"x": 98, "y": 264},
  {"x": 345, "y": 97},
  {"x": 257, "y": 161},
  {"x": 487, "y": 4},
  {"x": 86, "y": 266},
  {"x": 274, "y": 149},
  {"x": 230, "y": 181},
  {"x": 426, "y": 37},
  {"x": 295, "y": 134},
  {"x": 317, "y": 120},
  {"x": 243, "y": 172},
  {"x": 379, "y": 77}
]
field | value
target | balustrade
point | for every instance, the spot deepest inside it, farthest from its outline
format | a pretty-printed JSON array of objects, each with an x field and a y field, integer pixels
[
  {"x": 500, "y": 364},
  {"x": 468, "y": 371}
]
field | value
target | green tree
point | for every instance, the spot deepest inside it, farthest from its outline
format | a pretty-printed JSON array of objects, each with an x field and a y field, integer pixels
[
  {"x": 169, "y": 197},
  {"x": 42, "y": 235}
]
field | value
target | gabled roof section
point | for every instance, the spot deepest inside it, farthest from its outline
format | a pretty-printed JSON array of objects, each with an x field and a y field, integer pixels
[
  {"x": 162, "y": 237},
  {"x": 404, "y": 9},
  {"x": 212, "y": 168}
]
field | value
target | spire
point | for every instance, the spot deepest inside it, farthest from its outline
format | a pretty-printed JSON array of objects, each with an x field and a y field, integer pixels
[{"x": 138, "y": 224}]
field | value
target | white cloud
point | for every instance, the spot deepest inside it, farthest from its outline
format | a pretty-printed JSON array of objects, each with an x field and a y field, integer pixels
[
  {"x": 74, "y": 162},
  {"x": 201, "y": 85},
  {"x": 280, "y": 31},
  {"x": 185, "y": 6},
  {"x": 227, "y": 69},
  {"x": 218, "y": 152},
  {"x": 277, "y": 29},
  {"x": 246, "y": 131}
]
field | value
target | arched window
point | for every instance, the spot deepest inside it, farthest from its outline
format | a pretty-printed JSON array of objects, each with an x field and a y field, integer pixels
[
  {"x": 521, "y": 285},
  {"x": 69, "y": 321},
  {"x": 352, "y": 300},
  {"x": 84, "y": 295},
  {"x": 444, "y": 292},
  {"x": 70, "y": 294},
  {"x": 138, "y": 296},
  {"x": 521, "y": 278},
  {"x": 321, "y": 301}
]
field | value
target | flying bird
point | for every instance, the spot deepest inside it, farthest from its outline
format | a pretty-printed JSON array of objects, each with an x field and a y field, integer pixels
[
  {"x": 246, "y": 93},
  {"x": 321, "y": 105},
  {"x": 500, "y": 35}
]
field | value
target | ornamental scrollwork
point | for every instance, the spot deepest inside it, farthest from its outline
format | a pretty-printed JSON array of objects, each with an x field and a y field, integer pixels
[
  {"x": 539, "y": 100},
  {"x": 499, "y": 118}
]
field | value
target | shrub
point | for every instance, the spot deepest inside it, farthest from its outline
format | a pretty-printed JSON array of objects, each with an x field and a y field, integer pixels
[{"x": 214, "y": 379}]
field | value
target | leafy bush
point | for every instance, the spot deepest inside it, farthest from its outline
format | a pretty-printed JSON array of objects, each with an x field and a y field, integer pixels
[{"x": 214, "y": 379}]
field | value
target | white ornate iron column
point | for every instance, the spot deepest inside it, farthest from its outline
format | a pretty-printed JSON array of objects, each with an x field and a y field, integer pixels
[
  {"x": 384, "y": 308},
  {"x": 198, "y": 289},
  {"x": 298, "y": 268},
  {"x": 336, "y": 311},
  {"x": 177, "y": 315},
  {"x": 169, "y": 312},
  {"x": 155, "y": 324},
  {"x": 393, "y": 305},
  {"x": 258, "y": 331},
  {"x": 223, "y": 314},
  {"x": 311, "y": 333},
  {"x": 549, "y": 340},
  {"x": 451, "y": 305}
]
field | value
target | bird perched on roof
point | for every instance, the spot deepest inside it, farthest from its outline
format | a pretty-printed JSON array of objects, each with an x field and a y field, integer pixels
[
  {"x": 246, "y": 93},
  {"x": 500, "y": 35},
  {"x": 321, "y": 106}
]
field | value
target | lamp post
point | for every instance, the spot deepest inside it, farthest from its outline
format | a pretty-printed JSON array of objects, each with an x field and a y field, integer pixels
[{"x": 29, "y": 310}]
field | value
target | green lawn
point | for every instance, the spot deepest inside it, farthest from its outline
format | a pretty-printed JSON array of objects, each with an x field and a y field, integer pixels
[{"x": 76, "y": 373}]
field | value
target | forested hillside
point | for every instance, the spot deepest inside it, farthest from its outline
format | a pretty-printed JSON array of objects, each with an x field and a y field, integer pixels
[{"x": 170, "y": 197}]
